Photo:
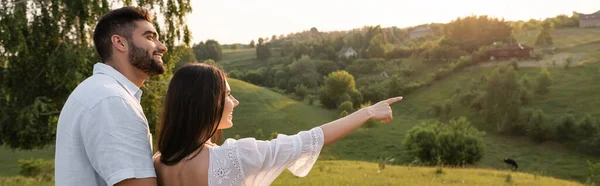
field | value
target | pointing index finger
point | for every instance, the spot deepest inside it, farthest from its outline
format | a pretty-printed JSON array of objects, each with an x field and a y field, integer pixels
[{"x": 393, "y": 100}]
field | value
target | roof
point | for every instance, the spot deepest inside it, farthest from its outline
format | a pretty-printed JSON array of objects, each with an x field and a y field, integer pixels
[
  {"x": 344, "y": 50},
  {"x": 595, "y": 13}
]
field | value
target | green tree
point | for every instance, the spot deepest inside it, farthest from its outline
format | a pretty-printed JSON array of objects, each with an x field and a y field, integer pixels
[
  {"x": 49, "y": 44},
  {"x": 544, "y": 37},
  {"x": 263, "y": 50},
  {"x": 336, "y": 84},
  {"x": 472, "y": 32},
  {"x": 376, "y": 47},
  {"x": 252, "y": 44},
  {"x": 502, "y": 98},
  {"x": 210, "y": 49},
  {"x": 301, "y": 91},
  {"x": 234, "y": 47},
  {"x": 537, "y": 128},
  {"x": 543, "y": 82}
]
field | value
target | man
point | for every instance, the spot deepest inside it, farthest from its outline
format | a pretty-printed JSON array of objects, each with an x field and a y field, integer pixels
[{"x": 102, "y": 136}]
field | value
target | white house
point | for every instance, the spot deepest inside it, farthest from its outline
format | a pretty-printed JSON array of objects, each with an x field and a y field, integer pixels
[{"x": 347, "y": 52}]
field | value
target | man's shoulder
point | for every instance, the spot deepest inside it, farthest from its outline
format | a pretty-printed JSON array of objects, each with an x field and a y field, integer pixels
[{"x": 96, "y": 88}]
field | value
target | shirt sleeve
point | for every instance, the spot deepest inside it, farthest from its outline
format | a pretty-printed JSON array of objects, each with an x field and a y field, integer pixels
[
  {"x": 117, "y": 141},
  {"x": 263, "y": 161}
]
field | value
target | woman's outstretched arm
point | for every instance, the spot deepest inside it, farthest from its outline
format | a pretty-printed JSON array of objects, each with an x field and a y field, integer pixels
[{"x": 339, "y": 128}]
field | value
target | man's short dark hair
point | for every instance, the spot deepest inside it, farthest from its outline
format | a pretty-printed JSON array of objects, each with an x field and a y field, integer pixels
[{"x": 121, "y": 22}]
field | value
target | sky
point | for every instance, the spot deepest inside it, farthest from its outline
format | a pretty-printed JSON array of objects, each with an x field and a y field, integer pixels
[{"x": 239, "y": 21}]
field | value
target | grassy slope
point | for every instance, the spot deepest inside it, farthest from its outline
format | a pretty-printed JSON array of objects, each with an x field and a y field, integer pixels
[{"x": 362, "y": 173}]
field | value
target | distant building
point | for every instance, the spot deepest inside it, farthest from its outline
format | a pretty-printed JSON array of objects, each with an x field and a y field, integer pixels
[
  {"x": 510, "y": 51},
  {"x": 419, "y": 32},
  {"x": 589, "y": 20},
  {"x": 347, "y": 52}
]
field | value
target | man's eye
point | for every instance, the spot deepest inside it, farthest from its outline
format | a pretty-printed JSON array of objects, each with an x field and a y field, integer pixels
[{"x": 149, "y": 38}]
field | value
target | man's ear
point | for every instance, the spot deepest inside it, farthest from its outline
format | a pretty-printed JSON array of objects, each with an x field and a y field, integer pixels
[{"x": 120, "y": 43}]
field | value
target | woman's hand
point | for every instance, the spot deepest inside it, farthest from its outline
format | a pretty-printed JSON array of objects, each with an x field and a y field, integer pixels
[{"x": 382, "y": 110}]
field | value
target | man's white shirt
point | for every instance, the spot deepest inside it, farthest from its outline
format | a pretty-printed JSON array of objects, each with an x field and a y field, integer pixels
[{"x": 103, "y": 135}]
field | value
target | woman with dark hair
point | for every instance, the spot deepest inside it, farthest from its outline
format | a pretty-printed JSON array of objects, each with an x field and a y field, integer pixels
[{"x": 199, "y": 105}]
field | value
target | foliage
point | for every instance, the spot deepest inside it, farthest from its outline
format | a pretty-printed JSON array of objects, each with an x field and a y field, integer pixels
[
  {"x": 543, "y": 82},
  {"x": 210, "y": 49},
  {"x": 544, "y": 38},
  {"x": 502, "y": 98},
  {"x": 472, "y": 32},
  {"x": 537, "y": 128},
  {"x": 454, "y": 143},
  {"x": 336, "y": 84},
  {"x": 48, "y": 44}
]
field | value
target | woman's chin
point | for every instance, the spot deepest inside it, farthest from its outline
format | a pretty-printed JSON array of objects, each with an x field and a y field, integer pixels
[{"x": 226, "y": 125}]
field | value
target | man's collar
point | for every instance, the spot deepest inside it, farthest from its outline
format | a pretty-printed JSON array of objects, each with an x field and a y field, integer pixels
[{"x": 101, "y": 68}]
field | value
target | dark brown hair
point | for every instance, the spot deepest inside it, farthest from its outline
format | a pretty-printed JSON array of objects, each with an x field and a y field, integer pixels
[
  {"x": 119, "y": 21},
  {"x": 192, "y": 111}
]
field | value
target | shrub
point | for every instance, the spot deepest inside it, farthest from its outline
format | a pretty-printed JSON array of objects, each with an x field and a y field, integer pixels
[
  {"x": 301, "y": 91},
  {"x": 36, "y": 168},
  {"x": 543, "y": 82},
  {"x": 566, "y": 127},
  {"x": 455, "y": 143},
  {"x": 347, "y": 106},
  {"x": 537, "y": 128}
]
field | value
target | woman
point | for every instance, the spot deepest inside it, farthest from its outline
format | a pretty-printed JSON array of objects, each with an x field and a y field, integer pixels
[{"x": 199, "y": 103}]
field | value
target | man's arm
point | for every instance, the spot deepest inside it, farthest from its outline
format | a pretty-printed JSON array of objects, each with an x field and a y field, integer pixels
[{"x": 117, "y": 143}]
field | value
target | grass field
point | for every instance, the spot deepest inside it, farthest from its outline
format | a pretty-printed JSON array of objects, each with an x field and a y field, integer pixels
[
  {"x": 565, "y": 37},
  {"x": 361, "y": 173}
]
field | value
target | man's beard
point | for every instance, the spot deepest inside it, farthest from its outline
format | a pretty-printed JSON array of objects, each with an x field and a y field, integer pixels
[{"x": 142, "y": 60}]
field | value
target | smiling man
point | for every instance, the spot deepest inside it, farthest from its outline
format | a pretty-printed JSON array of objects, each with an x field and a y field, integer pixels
[{"x": 103, "y": 136}]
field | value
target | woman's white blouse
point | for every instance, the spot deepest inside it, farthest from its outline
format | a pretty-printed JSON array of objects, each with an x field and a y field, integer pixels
[{"x": 254, "y": 162}]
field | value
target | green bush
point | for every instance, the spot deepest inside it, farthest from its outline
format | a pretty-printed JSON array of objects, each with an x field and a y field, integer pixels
[
  {"x": 301, "y": 91},
  {"x": 454, "y": 143},
  {"x": 543, "y": 82},
  {"x": 566, "y": 128},
  {"x": 347, "y": 106},
  {"x": 587, "y": 127},
  {"x": 37, "y": 168},
  {"x": 593, "y": 173},
  {"x": 537, "y": 128}
]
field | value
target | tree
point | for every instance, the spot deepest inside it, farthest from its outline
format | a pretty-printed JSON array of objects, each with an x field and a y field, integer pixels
[
  {"x": 336, "y": 84},
  {"x": 502, "y": 98},
  {"x": 48, "y": 44},
  {"x": 544, "y": 38},
  {"x": 543, "y": 82},
  {"x": 472, "y": 32},
  {"x": 210, "y": 49},
  {"x": 263, "y": 50},
  {"x": 234, "y": 47},
  {"x": 252, "y": 44},
  {"x": 376, "y": 47},
  {"x": 537, "y": 128}
]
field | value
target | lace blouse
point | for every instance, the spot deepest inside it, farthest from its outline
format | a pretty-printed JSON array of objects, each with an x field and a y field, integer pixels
[{"x": 254, "y": 162}]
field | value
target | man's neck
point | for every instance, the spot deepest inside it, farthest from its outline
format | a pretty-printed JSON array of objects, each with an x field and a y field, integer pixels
[{"x": 134, "y": 75}]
